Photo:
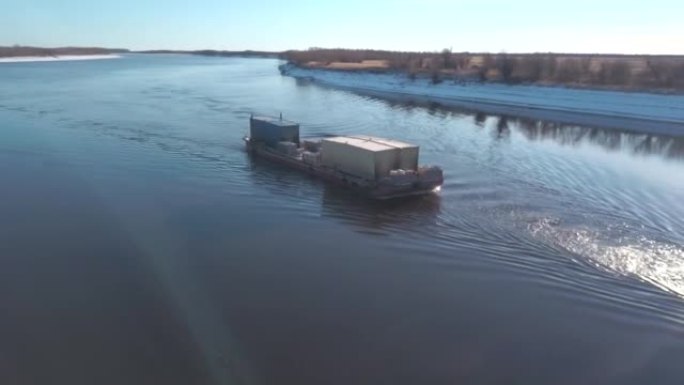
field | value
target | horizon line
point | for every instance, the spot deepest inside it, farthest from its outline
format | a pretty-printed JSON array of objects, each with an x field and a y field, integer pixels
[{"x": 343, "y": 49}]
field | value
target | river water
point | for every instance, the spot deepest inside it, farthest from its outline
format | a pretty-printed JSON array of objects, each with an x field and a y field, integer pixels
[{"x": 140, "y": 244}]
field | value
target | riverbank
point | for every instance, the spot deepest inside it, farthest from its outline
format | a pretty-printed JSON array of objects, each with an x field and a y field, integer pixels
[
  {"x": 640, "y": 73},
  {"x": 19, "y": 51},
  {"x": 637, "y": 112},
  {"x": 216, "y": 53},
  {"x": 26, "y": 59}
]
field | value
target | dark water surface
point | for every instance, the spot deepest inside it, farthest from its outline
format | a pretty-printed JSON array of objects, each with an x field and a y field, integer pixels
[{"x": 140, "y": 245}]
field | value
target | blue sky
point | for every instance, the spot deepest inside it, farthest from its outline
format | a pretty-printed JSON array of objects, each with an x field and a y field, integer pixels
[{"x": 627, "y": 26}]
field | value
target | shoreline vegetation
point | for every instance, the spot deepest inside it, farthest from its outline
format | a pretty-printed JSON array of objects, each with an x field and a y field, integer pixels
[
  {"x": 217, "y": 53},
  {"x": 644, "y": 73},
  {"x": 33, "y": 52},
  {"x": 39, "y": 52},
  {"x": 641, "y": 73},
  {"x": 33, "y": 59}
]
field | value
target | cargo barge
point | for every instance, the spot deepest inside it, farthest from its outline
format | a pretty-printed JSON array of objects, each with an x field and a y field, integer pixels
[{"x": 377, "y": 167}]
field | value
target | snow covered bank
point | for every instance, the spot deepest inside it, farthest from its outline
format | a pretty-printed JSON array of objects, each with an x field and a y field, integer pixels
[
  {"x": 638, "y": 112},
  {"x": 24, "y": 59}
]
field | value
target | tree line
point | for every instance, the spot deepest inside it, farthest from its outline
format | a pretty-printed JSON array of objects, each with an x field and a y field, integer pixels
[
  {"x": 23, "y": 51},
  {"x": 617, "y": 71}
]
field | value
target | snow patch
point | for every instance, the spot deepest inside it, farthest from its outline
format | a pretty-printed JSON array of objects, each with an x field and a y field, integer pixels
[
  {"x": 632, "y": 111},
  {"x": 27, "y": 59}
]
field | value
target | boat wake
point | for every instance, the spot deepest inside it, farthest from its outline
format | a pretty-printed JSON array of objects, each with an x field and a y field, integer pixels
[{"x": 656, "y": 262}]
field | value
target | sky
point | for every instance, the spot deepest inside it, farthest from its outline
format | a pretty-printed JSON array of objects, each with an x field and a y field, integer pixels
[{"x": 582, "y": 26}]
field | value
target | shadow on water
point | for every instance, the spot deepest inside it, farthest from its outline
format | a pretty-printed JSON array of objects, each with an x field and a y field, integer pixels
[
  {"x": 376, "y": 217},
  {"x": 379, "y": 217}
]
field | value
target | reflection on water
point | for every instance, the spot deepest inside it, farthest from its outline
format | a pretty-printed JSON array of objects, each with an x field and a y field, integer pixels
[
  {"x": 613, "y": 139},
  {"x": 502, "y": 128},
  {"x": 480, "y": 118},
  {"x": 349, "y": 207},
  {"x": 380, "y": 217},
  {"x": 671, "y": 147}
]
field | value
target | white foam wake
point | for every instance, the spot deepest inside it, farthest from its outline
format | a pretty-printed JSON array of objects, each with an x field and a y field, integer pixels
[{"x": 658, "y": 263}]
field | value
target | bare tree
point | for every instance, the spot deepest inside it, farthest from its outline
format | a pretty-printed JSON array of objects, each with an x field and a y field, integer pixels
[
  {"x": 446, "y": 57},
  {"x": 505, "y": 64},
  {"x": 530, "y": 68},
  {"x": 618, "y": 73},
  {"x": 569, "y": 71}
]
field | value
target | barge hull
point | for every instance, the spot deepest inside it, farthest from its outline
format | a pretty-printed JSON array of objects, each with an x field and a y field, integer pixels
[{"x": 373, "y": 190}]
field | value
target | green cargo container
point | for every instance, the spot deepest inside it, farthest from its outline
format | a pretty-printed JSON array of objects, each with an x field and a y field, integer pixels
[{"x": 273, "y": 130}]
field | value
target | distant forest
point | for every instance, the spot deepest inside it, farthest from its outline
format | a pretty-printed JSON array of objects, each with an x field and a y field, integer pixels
[
  {"x": 19, "y": 51},
  {"x": 624, "y": 72},
  {"x": 211, "y": 52},
  {"x": 662, "y": 73},
  {"x": 22, "y": 51}
]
